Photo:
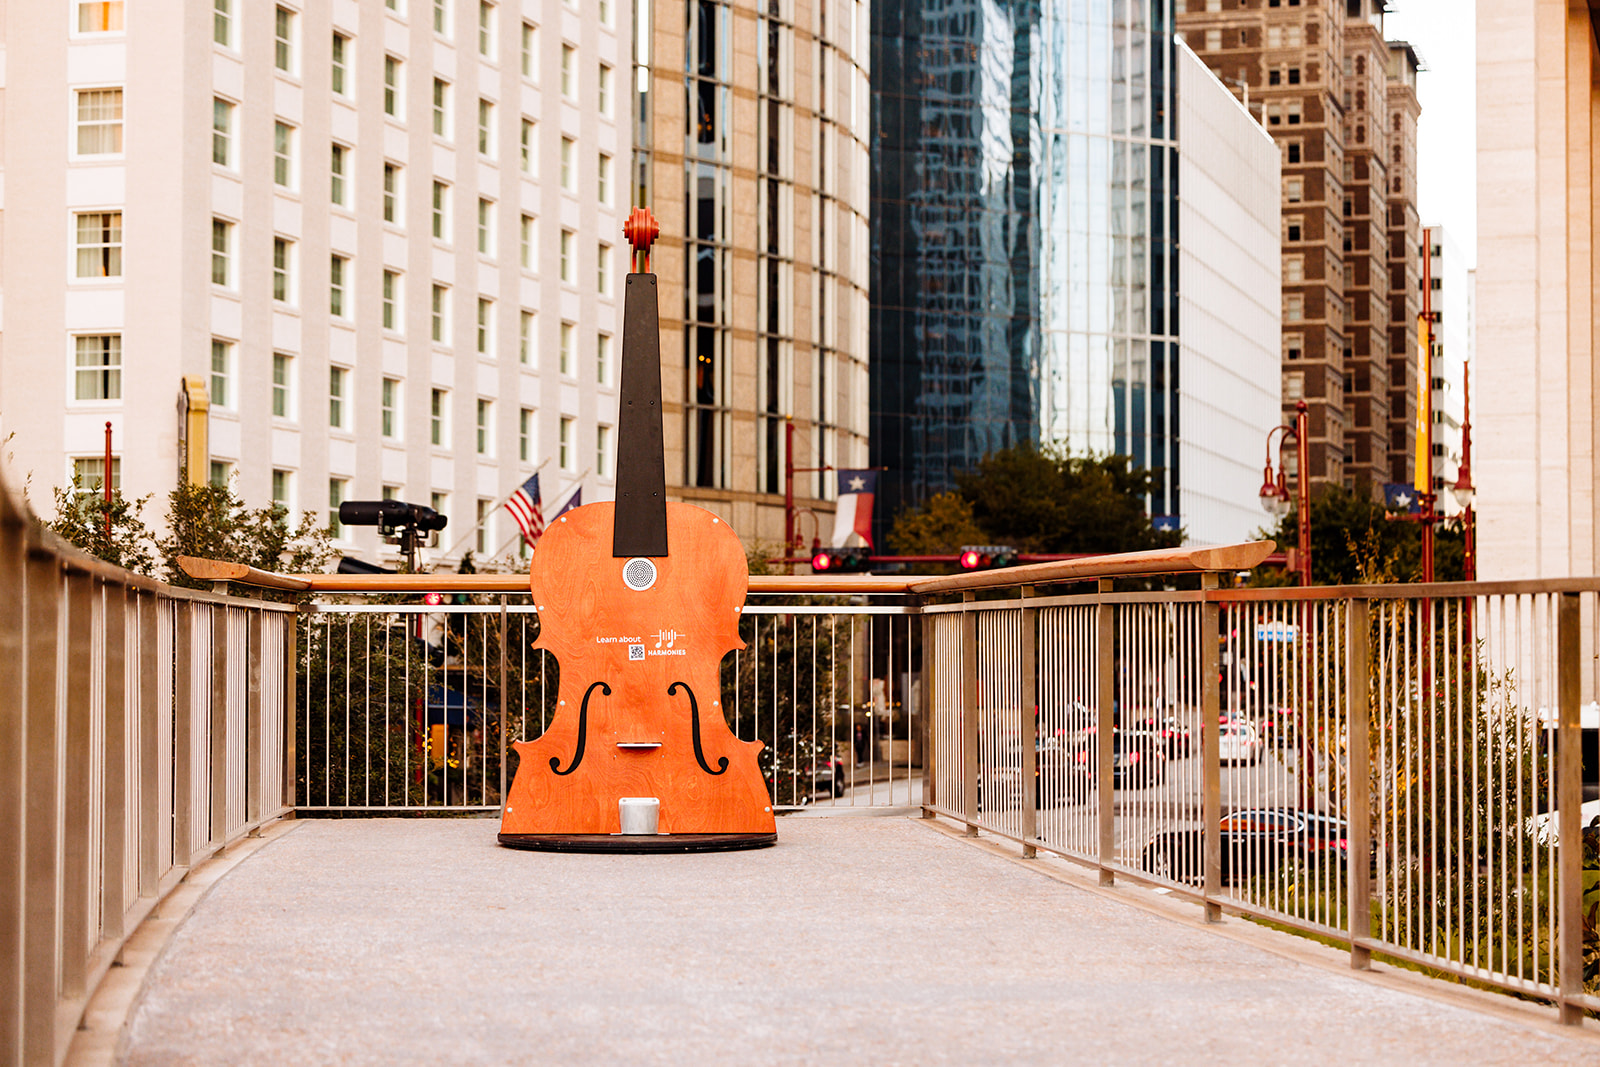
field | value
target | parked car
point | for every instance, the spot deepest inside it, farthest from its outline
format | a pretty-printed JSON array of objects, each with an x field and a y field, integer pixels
[
  {"x": 1138, "y": 761},
  {"x": 828, "y": 776},
  {"x": 1173, "y": 735},
  {"x": 1238, "y": 742},
  {"x": 1254, "y": 842}
]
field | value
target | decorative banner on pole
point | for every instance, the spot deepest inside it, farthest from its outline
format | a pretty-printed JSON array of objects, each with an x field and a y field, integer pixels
[
  {"x": 526, "y": 508},
  {"x": 856, "y": 490},
  {"x": 1423, "y": 479}
]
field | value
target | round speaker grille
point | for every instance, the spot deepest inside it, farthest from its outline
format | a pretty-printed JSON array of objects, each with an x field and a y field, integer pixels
[{"x": 638, "y": 574}]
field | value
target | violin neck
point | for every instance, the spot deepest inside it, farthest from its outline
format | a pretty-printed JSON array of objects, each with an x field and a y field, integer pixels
[{"x": 640, "y": 524}]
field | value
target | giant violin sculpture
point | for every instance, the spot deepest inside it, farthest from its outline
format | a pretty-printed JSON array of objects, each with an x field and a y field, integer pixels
[{"x": 639, "y": 601}]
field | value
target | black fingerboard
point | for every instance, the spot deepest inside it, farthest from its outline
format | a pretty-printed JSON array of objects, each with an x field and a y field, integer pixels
[{"x": 640, "y": 525}]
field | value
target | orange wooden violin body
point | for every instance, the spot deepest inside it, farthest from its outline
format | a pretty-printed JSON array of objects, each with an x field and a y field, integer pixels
[
  {"x": 639, "y": 711},
  {"x": 639, "y": 601}
]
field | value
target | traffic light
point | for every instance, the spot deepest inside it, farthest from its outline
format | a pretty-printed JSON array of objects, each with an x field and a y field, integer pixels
[
  {"x": 842, "y": 560},
  {"x": 983, "y": 557}
]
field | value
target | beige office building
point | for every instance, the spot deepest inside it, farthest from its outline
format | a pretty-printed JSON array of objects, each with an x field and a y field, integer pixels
[
  {"x": 1534, "y": 383},
  {"x": 752, "y": 151},
  {"x": 382, "y": 237}
]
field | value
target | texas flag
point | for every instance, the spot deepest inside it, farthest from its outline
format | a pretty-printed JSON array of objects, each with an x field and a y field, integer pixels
[{"x": 856, "y": 489}]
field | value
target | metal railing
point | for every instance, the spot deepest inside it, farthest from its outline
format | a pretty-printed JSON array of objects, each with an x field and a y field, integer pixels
[
  {"x": 407, "y": 707},
  {"x": 1396, "y": 768},
  {"x": 143, "y": 730}
]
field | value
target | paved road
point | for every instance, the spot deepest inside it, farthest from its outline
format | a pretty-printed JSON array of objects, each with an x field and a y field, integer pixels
[{"x": 874, "y": 941}]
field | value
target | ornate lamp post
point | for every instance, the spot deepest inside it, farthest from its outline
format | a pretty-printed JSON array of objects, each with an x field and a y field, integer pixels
[
  {"x": 1275, "y": 486},
  {"x": 1463, "y": 489}
]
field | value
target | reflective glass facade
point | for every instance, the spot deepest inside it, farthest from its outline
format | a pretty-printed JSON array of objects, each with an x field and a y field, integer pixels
[{"x": 1023, "y": 226}]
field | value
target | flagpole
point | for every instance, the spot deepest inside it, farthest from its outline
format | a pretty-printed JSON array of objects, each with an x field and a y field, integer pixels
[
  {"x": 578, "y": 481},
  {"x": 474, "y": 528}
]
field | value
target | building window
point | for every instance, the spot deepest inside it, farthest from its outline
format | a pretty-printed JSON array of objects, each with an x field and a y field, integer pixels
[
  {"x": 525, "y": 338},
  {"x": 1294, "y": 307},
  {"x": 221, "y": 373},
  {"x": 283, "y": 40},
  {"x": 567, "y": 356},
  {"x": 486, "y": 128},
  {"x": 338, "y": 381},
  {"x": 392, "y": 287},
  {"x": 437, "y": 412},
  {"x": 338, "y": 171},
  {"x": 281, "y": 385},
  {"x": 98, "y": 375},
  {"x": 603, "y": 179},
  {"x": 337, "y": 488},
  {"x": 441, "y": 213},
  {"x": 526, "y": 247},
  {"x": 605, "y": 90},
  {"x": 338, "y": 298},
  {"x": 98, "y": 236},
  {"x": 221, "y": 22},
  {"x": 602, "y": 451},
  {"x": 566, "y": 164},
  {"x": 282, "y": 267},
  {"x": 1291, "y": 112},
  {"x": 486, "y": 18},
  {"x": 283, "y": 154},
  {"x": 391, "y": 192},
  {"x": 1294, "y": 190},
  {"x": 441, "y": 108},
  {"x": 525, "y": 435},
  {"x": 486, "y": 227},
  {"x": 485, "y": 427},
  {"x": 221, "y": 132},
  {"x": 602, "y": 359},
  {"x": 564, "y": 445},
  {"x": 485, "y": 324},
  {"x": 1294, "y": 270},
  {"x": 392, "y": 85},
  {"x": 1292, "y": 228},
  {"x": 603, "y": 270},
  {"x": 438, "y": 313},
  {"x": 569, "y": 80},
  {"x": 221, "y": 252},
  {"x": 530, "y": 51},
  {"x": 1294, "y": 345},
  {"x": 481, "y": 530},
  {"x": 89, "y": 474},
  {"x": 99, "y": 122},
  {"x": 339, "y": 73},
  {"x": 389, "y": 408},
  {"x": 1294, "y": 386},
  {"x": 1291, "y": 151},
  {"x": 441, "y": 17},
  {"x": 221, "y": 472},
  {"x": 566, "y": 255},
  {"x": 527, "y": 146},
  {"x": 281, "y": 488}
]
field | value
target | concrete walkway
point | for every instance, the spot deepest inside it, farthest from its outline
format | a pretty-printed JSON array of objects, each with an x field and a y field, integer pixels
[{"x": 874, "y": 941}]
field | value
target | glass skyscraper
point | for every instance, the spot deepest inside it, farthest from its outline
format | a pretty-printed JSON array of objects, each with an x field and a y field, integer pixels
[{"x": 1023, "y": 232}]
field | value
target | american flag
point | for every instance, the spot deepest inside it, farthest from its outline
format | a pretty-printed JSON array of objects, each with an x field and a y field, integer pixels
[{"x": 526, "y": 508}]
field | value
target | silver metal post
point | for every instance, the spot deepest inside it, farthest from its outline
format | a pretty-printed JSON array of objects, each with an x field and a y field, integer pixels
[
  {"x": 1211, "y": 747},
  {"x": 1358, "y": 793},
  {"x": 969, "y": 714},
  {"x": 1030, "y": 728},
  {"x": 1105, "y": 727},
  {"x": 1569, "y": 800}
]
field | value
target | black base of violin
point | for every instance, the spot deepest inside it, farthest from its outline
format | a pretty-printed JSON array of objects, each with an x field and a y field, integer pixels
[{"x": 637, "y": 842}]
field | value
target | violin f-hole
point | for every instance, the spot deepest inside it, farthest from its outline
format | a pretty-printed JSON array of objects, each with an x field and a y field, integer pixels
[
  {"x": 694, "y": 730},
  {"x": 583, "y": 730}
]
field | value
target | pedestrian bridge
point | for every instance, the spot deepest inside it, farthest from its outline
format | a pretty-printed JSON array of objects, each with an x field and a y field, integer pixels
[
  {"x": 877, "y": 940},
  {"x": 1393, "y": 770}
]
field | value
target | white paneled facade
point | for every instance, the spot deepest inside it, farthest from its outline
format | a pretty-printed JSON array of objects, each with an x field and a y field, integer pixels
[
  {"x": 1229, "y": 276},
  {"x": 366, "y": 225}
]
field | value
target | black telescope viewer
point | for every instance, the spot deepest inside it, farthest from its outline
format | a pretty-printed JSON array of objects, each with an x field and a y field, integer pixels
[{"x": 395, "y": 519}]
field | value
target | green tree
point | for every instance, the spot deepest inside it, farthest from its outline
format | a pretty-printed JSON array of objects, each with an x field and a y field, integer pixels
[
  {"x": 1040, "y": 501},
  {"x": 1352, "y": 539},
  {"x": 211, "y": 522},
  {"x": 81, "y": 519}
]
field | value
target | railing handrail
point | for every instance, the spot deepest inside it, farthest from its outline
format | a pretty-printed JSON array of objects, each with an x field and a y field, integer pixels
[{"x": 1111, "y": 565}]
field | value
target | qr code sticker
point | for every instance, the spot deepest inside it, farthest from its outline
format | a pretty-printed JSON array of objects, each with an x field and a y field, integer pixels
[{"x": 635, "y": 652}]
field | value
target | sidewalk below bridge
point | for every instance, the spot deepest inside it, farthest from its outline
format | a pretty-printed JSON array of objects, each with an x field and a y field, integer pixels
[{"x": 861, "y": 940}]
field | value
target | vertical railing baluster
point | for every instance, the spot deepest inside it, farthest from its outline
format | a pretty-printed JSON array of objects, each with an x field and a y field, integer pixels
[
  {"x": 114, "y": 820},
  {"x": 930, "y": 705},
  {"x": 1358, "y": 794},
  {"x": 969, "y": 713},
  {"x": 42, "y": 773},
  {"x": 151, "y": 824},
  {"x": 1211, "y": 747},
  {"x": 1105, "y": 730},
  {"x": 182, "y": 732},
  {"x": 1569, "y": 802},
  {"x": 1030, "y": 727},
  {"x": 219, "y": 725},
  {"x": 76, "y": 777}
]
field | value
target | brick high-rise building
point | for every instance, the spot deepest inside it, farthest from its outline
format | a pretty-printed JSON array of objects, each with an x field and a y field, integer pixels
[
  {"x": 1320, "y": 77},
  {"x": 1405, "y": 276}
]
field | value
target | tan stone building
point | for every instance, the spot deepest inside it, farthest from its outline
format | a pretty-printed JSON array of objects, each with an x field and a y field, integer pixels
[
  {"x": 1317, "y": 75},
  {"x": 752, "y": 152}
]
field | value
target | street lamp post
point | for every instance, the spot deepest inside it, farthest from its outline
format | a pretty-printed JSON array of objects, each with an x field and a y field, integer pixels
[
  {"x": 1463, "y": 488},
  {"x": 1275, "y": 487}
]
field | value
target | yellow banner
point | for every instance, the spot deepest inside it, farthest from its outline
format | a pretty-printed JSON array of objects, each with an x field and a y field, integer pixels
[{"x": 1424, "y": 469}]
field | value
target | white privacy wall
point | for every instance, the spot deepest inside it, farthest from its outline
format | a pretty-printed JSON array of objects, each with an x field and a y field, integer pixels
[{"x": 1229, "y": 305}]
